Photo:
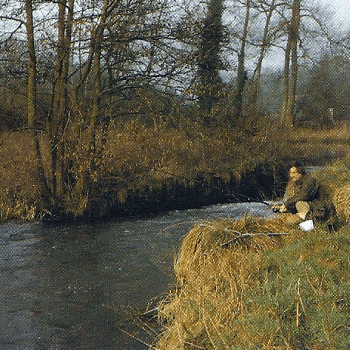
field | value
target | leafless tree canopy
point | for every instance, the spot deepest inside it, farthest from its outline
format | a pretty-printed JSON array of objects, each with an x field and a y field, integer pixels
[{"x": 73, "y": 67}]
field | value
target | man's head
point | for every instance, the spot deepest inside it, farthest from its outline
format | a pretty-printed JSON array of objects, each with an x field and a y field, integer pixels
[{"x": 296, "y": 171}]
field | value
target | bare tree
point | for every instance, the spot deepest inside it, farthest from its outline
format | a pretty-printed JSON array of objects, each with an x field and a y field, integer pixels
[
  {"x": 31, "y": 94},
  {"x": 268, "y": 10},
  {"x": 241, "y": 73},
  {"x": 291, "y": 67},
  {"x": 250, "y": 42},
  {"x": 59, "y": 112},
  {"x": 31, "y": 101}
]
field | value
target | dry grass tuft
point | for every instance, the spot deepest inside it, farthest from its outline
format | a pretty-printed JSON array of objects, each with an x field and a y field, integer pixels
[
  {"x": 336, "y": 177},
  {"x": 341, "y": 200},
  {"x": 212, "y": 277},
  {"x": 203, "y": 246}
]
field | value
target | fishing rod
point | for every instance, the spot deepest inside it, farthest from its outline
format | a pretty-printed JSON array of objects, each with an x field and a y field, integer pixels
[
  {"x": 251, "y": 199},
  {"x": 234, "y": 195}
]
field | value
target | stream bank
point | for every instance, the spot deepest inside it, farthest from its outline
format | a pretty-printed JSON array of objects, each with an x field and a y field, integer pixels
[{"x": 152, "y": 170}]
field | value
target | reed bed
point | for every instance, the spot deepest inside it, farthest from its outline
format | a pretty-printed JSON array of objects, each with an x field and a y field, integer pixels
[{"x": 262, "y": 290}]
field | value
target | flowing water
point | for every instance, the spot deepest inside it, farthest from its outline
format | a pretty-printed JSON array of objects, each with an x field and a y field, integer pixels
[{"x": 69, "y": 286}]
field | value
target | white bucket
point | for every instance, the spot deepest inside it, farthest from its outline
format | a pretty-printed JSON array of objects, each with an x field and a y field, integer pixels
[{"x": 307, "y": 225}]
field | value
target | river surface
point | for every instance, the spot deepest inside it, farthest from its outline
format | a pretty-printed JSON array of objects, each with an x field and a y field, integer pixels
[{"x": 69, "y": 286}]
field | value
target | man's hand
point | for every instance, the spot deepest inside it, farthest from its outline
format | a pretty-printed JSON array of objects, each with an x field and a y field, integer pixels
[
  {"x": 279, "y": 208},
  {"x": 283, "y": 209}
]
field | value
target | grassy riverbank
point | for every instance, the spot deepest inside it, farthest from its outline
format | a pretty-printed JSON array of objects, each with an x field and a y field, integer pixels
[
  {"x": 273, "y": 293},
  {"x": 161, "y": 167},
  {"x": 289, "y": 290}
]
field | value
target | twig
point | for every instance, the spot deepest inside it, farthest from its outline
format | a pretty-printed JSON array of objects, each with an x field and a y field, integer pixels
[
  {"x": 225, "y": 229},
  {"x": 194, "y": 345},
  {"x": 146, "y": 328},
  {"x": 150, "y": 311},
  {"x": 137, "y": 339},
  {"x": 243, "y": 235}
]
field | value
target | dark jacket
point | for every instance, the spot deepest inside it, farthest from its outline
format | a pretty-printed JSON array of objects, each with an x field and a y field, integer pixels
[{"x": 309, "y": 189}]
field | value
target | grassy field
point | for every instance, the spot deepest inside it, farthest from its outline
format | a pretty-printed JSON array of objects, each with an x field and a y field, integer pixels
[{"x": 143, "y": 162}]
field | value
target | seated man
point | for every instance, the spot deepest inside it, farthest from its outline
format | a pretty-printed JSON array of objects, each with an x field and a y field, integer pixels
[{"x": 305, "y": 198}]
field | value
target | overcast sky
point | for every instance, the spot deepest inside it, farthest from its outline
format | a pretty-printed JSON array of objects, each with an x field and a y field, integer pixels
[{"x": 341, "y": 9}]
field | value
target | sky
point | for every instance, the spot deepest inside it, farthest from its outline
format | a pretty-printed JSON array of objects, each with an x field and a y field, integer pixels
[{"x": 341, "y": 9}]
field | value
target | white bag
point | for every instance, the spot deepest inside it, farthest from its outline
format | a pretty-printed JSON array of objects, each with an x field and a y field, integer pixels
[{"x": 307, "y": 225}]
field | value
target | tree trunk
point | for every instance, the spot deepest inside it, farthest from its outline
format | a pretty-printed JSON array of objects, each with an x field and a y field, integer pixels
[
  {"x": 59, "y": 114},
  {"x": 96, "y": 68},
  {"x": 294, "y": 60},
  {"x": 31, "y": 90},
  {"x": 209, "y": 57},
  {"x": 242, "y": 75},
  {"x": 31, "y": 104},
  {"x": 254, "y": 99},
  {"x": 285, "y": 121},
  {"x": 291, "y": 72}
]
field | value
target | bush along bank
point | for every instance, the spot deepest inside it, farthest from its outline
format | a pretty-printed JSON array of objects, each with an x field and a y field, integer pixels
[
  {"x": 141, "y": 169},
  {"x": 264, "y": 181},
  {"x": 174, "y": 193}
]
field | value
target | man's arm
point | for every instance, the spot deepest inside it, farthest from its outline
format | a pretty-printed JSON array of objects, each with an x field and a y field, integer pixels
[{"x": 306, "y": 192}]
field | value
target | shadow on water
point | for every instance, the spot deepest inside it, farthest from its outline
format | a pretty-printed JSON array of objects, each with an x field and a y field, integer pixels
[{"x": 68, "y": 286}]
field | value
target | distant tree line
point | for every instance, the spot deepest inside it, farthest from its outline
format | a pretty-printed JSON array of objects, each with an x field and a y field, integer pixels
[{"x": 73, "y": 68}]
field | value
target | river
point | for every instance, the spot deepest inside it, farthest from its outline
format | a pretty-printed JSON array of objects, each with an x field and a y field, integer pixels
[{"x": 68, "y": 286}]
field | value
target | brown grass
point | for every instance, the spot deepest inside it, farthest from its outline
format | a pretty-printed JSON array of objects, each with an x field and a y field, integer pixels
[
  {"x": 203, "y": 245},
  {"x": 211, "y": 276},
  {"x": 20, "y": 190},
  {"x": 142, "y": 160},
  {"x": 336, "y": 177},
  {"x": 341, "y": 200}
]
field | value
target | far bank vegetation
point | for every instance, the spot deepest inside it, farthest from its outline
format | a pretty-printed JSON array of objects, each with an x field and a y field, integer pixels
[{"x": 109, "y": 105}]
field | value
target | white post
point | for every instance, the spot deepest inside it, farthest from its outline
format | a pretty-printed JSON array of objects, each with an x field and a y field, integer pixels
[{"x": 331, "y": 115}]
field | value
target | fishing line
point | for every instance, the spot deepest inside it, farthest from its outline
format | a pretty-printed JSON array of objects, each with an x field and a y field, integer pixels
[{"x": 228, "y": 194}]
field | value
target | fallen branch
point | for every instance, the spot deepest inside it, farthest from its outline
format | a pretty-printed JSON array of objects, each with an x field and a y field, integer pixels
[{"x": 243, "y": 235}]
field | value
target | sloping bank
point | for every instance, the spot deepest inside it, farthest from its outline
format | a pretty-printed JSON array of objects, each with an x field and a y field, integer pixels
[
  {"x": 151, "y": 169},
  {"x": 238, "y": 289}
]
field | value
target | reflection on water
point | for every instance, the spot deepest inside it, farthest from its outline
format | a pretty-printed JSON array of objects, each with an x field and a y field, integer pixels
[{"x": 66, "y": 286}]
